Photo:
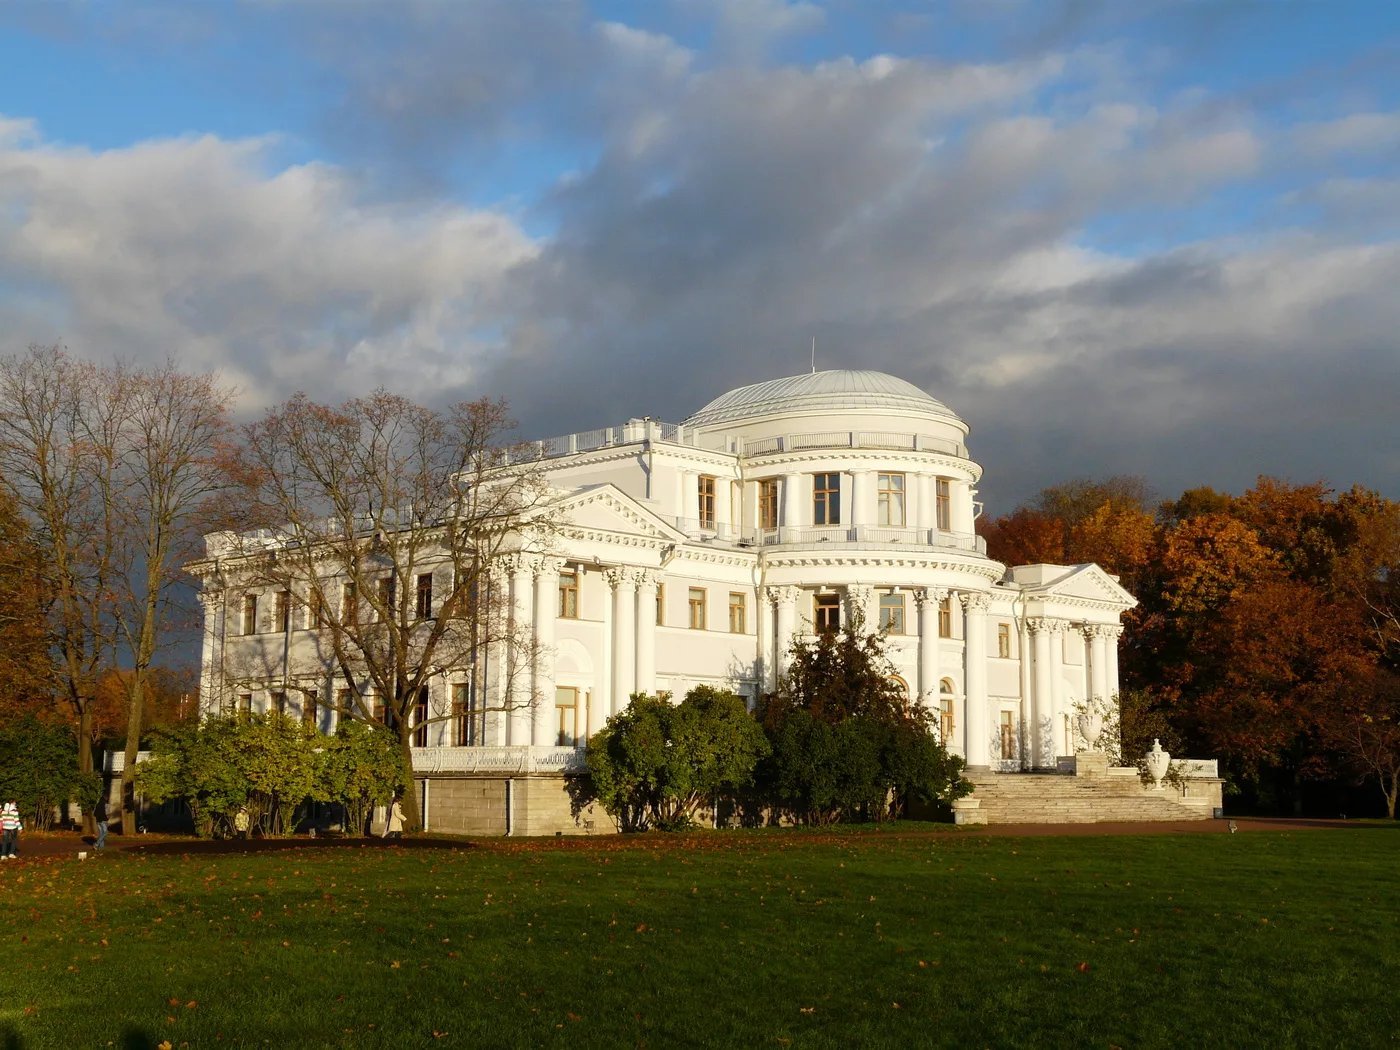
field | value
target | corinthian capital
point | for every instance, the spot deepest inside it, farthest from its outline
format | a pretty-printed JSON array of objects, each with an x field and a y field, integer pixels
[
  {"x": 620, "y": 576},
  {"x": 930, "y": 595},
  {"x": 975, "y": 601}
]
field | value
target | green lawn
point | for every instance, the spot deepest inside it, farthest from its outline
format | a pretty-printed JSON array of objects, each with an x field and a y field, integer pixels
[{"x": 742, "y": 939}]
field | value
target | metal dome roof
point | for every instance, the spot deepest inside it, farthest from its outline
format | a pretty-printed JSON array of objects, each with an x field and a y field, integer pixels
[{"x": 830, "y": 390}]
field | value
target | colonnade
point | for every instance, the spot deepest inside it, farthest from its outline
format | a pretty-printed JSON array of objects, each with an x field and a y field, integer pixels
[
  {"x": 1046, "y": 710},
  {"x": 525, "y": 679},
  {"x": 625, "y": 660},
  {"x": 859, "y": 502}
]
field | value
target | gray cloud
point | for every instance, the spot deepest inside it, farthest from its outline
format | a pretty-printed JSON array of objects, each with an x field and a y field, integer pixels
[{"x": 939, "y": 218}]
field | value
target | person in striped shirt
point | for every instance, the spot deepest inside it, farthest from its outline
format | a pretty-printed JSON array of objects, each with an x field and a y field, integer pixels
[{"x": 10, "y": 826}]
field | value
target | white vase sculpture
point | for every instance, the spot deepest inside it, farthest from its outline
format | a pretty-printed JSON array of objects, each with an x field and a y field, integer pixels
[
  {"x": 1158, "y": 762},
  {"x": 1091, "y": 728}
]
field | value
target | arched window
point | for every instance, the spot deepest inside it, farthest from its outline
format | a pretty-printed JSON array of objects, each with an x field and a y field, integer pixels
[
  {"x": 945, "y": 710},
  {"x": 901, "y": 685}
]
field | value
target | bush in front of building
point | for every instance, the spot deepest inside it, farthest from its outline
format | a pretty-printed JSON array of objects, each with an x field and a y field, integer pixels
[
  {"x": 847, "y": 743},
  {"x": 269, "y": 765},
  {"x": 655, "y": 764},
  {"x": 39, "y": 770}
]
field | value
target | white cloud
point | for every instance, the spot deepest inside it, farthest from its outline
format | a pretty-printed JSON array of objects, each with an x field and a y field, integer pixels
[{"x": 278, "y": 278}]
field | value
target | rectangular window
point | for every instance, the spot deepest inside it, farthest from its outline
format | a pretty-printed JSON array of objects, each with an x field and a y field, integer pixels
[
  {"x": 282, "y": 611},
  {"x": 1008, "y": 735},
  {"x": 387, "y": 593},
  {"x": 826, "y": 613},
  {"x": 697, "y": 608},
  {"x": 349, "y": 605},
  {"x": 1004, "y": 641},
  {"x": 737, "y": 608},
  {"x": 568, "y": 594},
  {"x": 892, "y": 613},
  {"x": 315, "y": 611},
  {"x": 566, "y": 707},
  {"x": 464, "y": 715},
  {"x": 311, "y": 708},
  {"x": 945, "y": 719},
  {"x": 423, "y": 603},
  {"x": 889, "y": 500},
  {"x": 768, "y": 504},
  {"x": 707, "y": 501},
  {"x": 383, "y": 713},
  {"x": 345, "y": 703},
  {"x": 826, "y": 499},
  {"x": 245, "y": 703},
  {"x": 420, "y": 719},
  {"x": 945, "y": 618},
  {"x": 660, "y": 605},
  {"x": 249, "y": 624},
  {"x": 943, "y": 505},
  {"x": 279, "y": 703}
]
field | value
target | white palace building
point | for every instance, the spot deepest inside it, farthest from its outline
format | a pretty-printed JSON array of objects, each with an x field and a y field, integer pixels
[{"x": 695, "y": 552}]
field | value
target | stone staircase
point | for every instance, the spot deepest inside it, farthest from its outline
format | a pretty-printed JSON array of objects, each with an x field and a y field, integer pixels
[{"x": 1062, "y": 798}]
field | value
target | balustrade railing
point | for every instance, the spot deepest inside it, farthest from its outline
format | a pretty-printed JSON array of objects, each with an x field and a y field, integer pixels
[{"x": 678, "y": 434}]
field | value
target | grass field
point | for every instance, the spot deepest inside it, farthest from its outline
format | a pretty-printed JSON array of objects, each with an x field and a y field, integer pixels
[{"x": 861, "y": 938}]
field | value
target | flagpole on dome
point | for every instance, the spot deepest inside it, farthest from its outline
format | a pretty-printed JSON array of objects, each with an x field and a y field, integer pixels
[{"x": 814, "y": 355}]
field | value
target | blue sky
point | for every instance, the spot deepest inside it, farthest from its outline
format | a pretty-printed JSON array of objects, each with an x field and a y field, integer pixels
[{"x": 1152, "y": 238}]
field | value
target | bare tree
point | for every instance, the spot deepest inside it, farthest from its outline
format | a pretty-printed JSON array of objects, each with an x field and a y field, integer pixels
[
  {"x": 110, "y": 466},
  {"x": 173, "y": 451},
  {"x": 387, "y": 524},
  {"x": 58, "y": 463}
]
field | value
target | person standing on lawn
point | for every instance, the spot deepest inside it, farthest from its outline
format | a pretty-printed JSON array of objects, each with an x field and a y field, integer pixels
[
  {"x": 10, "y": 826},
  {"x": 394, "y": 828},
  {"x": 99, "y": 814},
  {"x": 241, "y": 822}
]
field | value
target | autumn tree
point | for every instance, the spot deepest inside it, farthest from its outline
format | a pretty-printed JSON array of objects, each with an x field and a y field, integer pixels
[
  {"x": 25, "y": 682},
  {"x": 110, "y": 467},
  {"x": 388, "y": 524}
]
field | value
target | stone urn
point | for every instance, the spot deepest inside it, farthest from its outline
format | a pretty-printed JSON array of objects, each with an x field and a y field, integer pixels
[
  {"x": 1157, "y": 763},
  {"x": 1091, "y": 728}
]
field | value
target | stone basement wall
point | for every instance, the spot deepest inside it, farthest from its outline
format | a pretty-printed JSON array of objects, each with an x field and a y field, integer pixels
[{"x": 477, "y": 806}]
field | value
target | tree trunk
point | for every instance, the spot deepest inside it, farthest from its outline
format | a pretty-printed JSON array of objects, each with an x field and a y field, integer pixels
[
  {"x": 135, "y": 706},
  {"x": 85, "y": 761},
  {"x": 412, "y": 818}
]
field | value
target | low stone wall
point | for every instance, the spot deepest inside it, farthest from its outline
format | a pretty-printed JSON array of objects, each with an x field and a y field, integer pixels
[{"x": 539, "y": 805}]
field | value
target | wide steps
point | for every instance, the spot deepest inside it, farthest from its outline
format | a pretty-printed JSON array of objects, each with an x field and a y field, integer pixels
[{"x": 1031, "y": 798}]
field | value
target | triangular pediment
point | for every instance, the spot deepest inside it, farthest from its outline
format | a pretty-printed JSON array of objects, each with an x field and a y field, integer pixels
[
  {"x": 1085, "y": 583},
  {"x": 607, "y": 509}
]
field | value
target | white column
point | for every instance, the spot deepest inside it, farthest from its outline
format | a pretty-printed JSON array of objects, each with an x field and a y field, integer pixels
[
  {"x": 1112, "y": 635},
  {"x": 862, "y": 497},
  {"x": 520, "y": 698},
  {"x": 546, "y": 728},
  {"x": 647, "y": 580},
  {"x": 928, "y": 601},
  {"x": 792, "y": 503},
  {"x": 1042, "y": 732},
  {"x": 786, "y": 602},
  {"x": 211, "y": 690},
  {"x": 724, "y": 512},
  {"x": 624, "y": 586},
  {"x": 960, "y": 498},
  {"x": 860, "y": 600},
  {"x": 1059, "y": 709},
  {"x": 600, "y": 699},
  {"x": 768, "y": 664},
  {"x": 1098, "y": 662},
  {"x": 978, "y": 719}
]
